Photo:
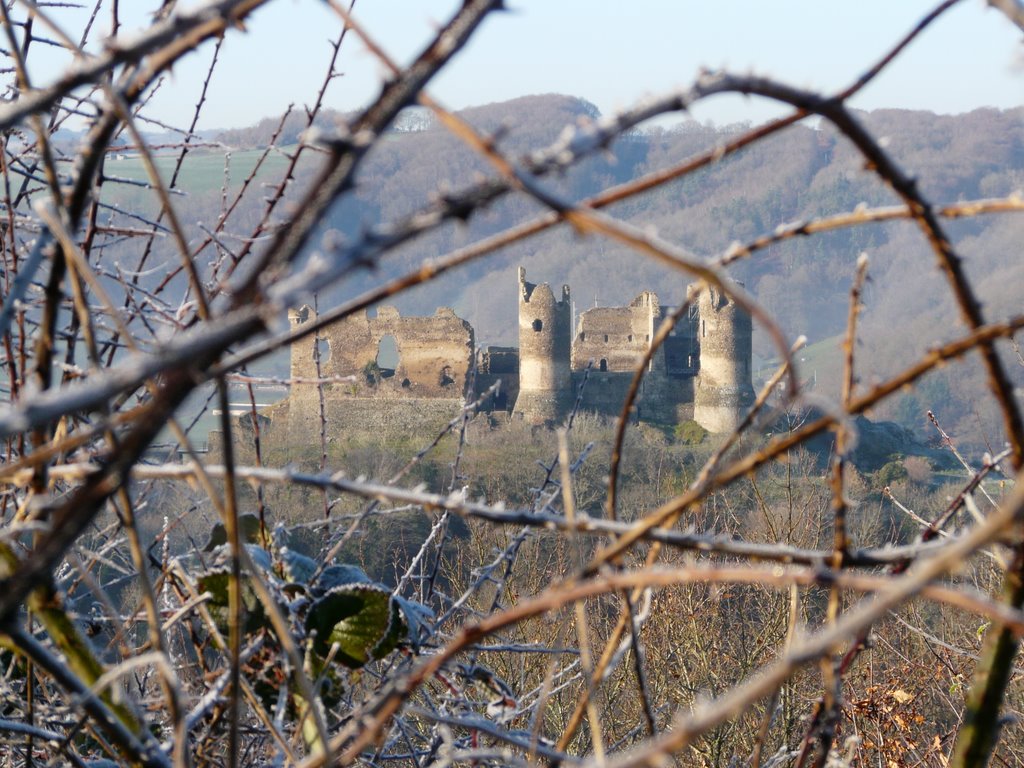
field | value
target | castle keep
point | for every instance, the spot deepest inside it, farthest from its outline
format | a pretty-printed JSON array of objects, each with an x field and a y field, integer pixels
[{"x": 416, "y": 372}]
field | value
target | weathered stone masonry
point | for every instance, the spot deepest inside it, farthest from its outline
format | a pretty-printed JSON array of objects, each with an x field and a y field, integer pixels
[
  {"x": 434, "y": 354},
  {"x": 422, "y": 389},
  {"x": 416, "y": 372},
  {"x": 724, "y": 392},
  {"x": 545, "y": 327},
  {"x": 702, "y": 371},
  {"x": 612, "y": 341}
]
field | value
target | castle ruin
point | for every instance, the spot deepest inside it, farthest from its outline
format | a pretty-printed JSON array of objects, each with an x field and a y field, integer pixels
[
  {"x": 416, "y": 372},
  {"x": 700, "y": 372},
  {"x": 375, "y": 372}
]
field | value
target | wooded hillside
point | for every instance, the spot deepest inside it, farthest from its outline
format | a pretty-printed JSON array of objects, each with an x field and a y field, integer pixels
[{"x": 796, "y": 175}]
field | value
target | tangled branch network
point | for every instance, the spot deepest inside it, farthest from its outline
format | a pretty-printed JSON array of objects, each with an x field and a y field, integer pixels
[{"x": 167, "y": 605}]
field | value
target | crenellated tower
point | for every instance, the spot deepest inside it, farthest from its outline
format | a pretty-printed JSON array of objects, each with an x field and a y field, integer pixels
[
  {"x": 545, "y": 332},
  {"x": 724, "y": 392}
]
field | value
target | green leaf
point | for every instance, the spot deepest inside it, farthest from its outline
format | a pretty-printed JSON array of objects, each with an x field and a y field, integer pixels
[
  {"x": 260, "y": 557},
  {"x": 361, "y": 618},
  {"x": 216, "y": 583},
  {"x": 417, "y": 617},
  {"x": 297, "y": 567},
  {"x": 340, "y": 575}
]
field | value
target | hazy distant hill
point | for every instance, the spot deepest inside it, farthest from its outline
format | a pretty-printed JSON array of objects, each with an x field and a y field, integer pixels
[{"x": 801, "y": 173}]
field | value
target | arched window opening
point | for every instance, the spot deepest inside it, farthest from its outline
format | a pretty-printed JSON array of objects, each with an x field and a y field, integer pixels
[
  {"x": 603, "y": 365},
  {"x": 606, "y": 338},
  {"x": 538, "y": 325},
  {"x": 446, "y": 379},
  {"x": 387, "y": 356},
  {"x": 583, "y": 336},
  {"x": 630, "y": 337},
  {"x": 321, "y": 350}
]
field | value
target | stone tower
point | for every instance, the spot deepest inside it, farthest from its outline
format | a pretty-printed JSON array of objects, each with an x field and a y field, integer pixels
[
  {"x": 303, "y": 359},
  {"x": 545, "y": 329},
  {"x": 724, "y": 392}
]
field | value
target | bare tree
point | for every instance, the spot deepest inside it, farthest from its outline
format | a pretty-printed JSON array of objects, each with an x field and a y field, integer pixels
[{"x": 567, "y": 635}]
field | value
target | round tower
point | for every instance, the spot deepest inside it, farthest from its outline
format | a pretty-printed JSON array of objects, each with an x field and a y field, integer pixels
[
  {"x": 724, "y": 392},
  {"x": 545, "y": 326}
]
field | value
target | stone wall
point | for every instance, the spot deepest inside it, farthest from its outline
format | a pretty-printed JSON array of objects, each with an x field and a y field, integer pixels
[
  {"x": 495, "y": 364},
  {"x": 434, "y": 355},
  {"x": 615, "y": 338},
  {"x": 418, "y": 391},
  {"x": 293, "y": 426},
  {"x": 613, "y": 341}
]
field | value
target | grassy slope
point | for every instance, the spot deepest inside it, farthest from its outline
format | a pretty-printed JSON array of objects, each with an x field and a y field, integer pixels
[
  {"x": 819, "y": 364},
  {"x": 201, "y": 172}
]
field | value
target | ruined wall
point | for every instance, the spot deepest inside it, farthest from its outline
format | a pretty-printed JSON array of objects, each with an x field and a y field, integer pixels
[
  {"x": 420, "y": 390},
  {"x": 614, "y": 341},
  {"x": 668, "y": 394},
  {"x": 293, "y": 432},
  {"x": 303, "y": 362},
  {"x": 545, "y": 327},
  {"x": 434, "y": 354},
  {"x": 495, "y": 364},
  {"x": 724, "y": 391},
  {"x": 615, "y": 338},
  {"x": 660, "y": 399}
]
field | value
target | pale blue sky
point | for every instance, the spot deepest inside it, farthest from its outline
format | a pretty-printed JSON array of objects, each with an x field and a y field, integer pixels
[{"x": 613, "y": 53}]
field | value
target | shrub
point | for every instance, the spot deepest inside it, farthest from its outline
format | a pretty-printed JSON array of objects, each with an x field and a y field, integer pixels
[
  {"x": 919, "y": 469},
  {"x": 892, "y": 472},
  {"x": 690, "y": 433}
]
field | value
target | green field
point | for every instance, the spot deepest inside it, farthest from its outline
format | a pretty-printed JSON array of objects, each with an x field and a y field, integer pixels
[
  {"x": 202, "y": 171},
  {"x": 821, "y": 356},
  {"x": 820, "y": 360}
]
